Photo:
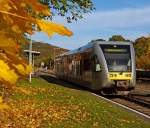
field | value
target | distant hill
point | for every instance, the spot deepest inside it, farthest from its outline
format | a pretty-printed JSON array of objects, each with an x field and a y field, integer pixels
[{"x": 47, "y": 52}]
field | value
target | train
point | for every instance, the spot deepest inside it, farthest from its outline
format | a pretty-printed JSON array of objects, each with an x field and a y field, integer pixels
[{"x": 107, "y": 67}]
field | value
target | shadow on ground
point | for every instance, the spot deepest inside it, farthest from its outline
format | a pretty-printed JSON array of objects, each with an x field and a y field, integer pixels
[{"x": 60, "y": 82}]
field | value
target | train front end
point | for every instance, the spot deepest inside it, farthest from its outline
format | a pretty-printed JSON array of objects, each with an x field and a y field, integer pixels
[{"x": 120, "y": 63}]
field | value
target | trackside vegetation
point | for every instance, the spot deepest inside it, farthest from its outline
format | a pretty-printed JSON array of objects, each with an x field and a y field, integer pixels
[{"x": 46, "y": 105}]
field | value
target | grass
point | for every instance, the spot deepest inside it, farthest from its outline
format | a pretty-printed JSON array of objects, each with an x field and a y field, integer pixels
[{"x": 46, "y": 105}]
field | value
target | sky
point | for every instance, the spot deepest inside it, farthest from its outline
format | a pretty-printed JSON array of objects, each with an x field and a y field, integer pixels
[{"x": 129, "y": 18}]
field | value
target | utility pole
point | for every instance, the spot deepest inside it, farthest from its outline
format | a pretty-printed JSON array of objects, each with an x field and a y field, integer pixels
[
  {"x": 30, "y": 57},
  {"x": 54, "y": 54},
  {"x": 54, "y": 58}
]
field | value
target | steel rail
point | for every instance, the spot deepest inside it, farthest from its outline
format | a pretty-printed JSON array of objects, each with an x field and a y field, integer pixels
[
  {"x": 147, "y": 117},
  {"x": 137, "y": 100}
]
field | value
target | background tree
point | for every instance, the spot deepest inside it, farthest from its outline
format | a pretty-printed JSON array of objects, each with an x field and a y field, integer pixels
[
  {"x": 72, "y": 10},
  {"x": 143, "y": 62},
  {"x": 142, "y": 48},
  {"x": 49, "y": 61},
  {"x": 97, "y": 40},
  {"x": 117, "y": 38},
  {"x": 142, "y": 45}
]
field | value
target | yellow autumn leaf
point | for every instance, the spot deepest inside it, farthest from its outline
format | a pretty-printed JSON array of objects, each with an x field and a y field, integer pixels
[
  {"x": 38, "y": 7},
  {"x": 50, "y": 28},
  {"x": 23, "y": 70},
  {"x": 6, "y": 41},
  {"x": 7, "y": 74},
  {"x": 15, "y": 28},
  {"x": 3, "y": 105},
  {"x": 1, "y": 99},
  {"x": 23, "y": 90},
  {"x": 46, "y": 12},
  {"x": 22, "y": 4},
  {"x": 28, "y": 69},
  {"x": 46, "y": 26}
]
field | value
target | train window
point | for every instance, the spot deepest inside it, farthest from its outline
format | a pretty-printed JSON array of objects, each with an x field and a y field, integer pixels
[
  {"x": 98, "y": 68},
  {"x": 77, "y": 67},
  {"x": 87, "y": 60},
  {"x": 87, "y": 72},
  {"x": 87, "y": 64},
  {"x": 95, "y": 64},
  {"x": 69, "y": 65},
  {"x": 118, "y": 57}
]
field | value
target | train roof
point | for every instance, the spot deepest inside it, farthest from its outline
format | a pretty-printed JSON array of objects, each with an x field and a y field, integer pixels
[
  {"x": 91, "y": 45},
  {"x": 112, "y": 42}
]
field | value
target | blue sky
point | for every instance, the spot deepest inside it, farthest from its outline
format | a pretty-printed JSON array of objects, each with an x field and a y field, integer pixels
[{"x": 130, "y": 18}]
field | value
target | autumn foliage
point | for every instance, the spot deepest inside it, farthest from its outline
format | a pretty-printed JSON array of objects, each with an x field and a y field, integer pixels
[
  {"x": 19, "y": 18},
  {"x": 142, "y": 48}
]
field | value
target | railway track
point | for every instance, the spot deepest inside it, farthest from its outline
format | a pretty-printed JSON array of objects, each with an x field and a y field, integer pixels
[
  {"x": 134, "y": 107},
  {"x": 141, "y": 73},
  {"x": 141, "y": 100},
  {"x": 137, "y": 103}
]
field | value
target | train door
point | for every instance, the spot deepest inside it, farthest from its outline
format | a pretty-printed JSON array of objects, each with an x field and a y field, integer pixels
[
  {"x": 70, "y": 66},
  {"x": 77, "y": 66},
  {"x": 96, "y": 72},
  {"x": 86, "y": 66},
  {"x": 66, "y": 70},
  {"x": 59, "y": 67}
]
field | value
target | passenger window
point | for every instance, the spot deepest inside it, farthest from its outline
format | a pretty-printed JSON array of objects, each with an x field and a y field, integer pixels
[
  {"x": 87, "y": 65},
  {"x": 98, "y": 68},
  {"x": 96, "y": 64}
]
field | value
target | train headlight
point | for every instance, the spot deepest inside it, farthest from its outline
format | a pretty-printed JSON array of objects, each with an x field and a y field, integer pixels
[
  {"x": 112, "y": 75},
  {"x": 128, "y": 75},
  {"x": 115, "y": 75}
]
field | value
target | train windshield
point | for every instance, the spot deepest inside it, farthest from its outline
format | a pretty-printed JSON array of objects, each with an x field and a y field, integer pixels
[{"x": 118, "y": 57}]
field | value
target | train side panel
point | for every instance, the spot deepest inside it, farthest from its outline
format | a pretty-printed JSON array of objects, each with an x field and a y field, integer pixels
[
  {"x": 100, "y": 78},
  {"x": 88, "y": 67},
  {"x": 76, "y": 68},
  {"x": 133, "y": 74}
]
